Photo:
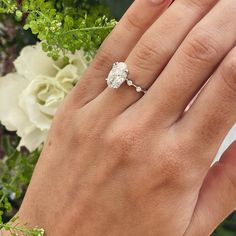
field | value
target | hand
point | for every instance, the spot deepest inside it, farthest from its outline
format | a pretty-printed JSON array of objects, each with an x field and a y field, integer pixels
[{"x": 119, "y": 163}]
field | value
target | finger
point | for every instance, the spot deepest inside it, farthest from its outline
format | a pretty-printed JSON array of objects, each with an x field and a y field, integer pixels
[
  {"x": 117, "y": 46},
  {"x": 155, "y": 49},
  {"x": 194, "y": 62},
  {"x": 213, "y": 113},
  {"x": 217, "y": 197}
]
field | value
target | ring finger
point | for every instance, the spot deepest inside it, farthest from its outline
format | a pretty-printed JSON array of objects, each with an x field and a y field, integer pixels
[
  {"x": 117, "y": 46},
  {"x": 155, "y": 49}
]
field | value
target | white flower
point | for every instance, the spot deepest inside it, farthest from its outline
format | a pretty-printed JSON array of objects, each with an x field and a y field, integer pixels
[
  {"x": 30, "y": 97},
  {"x": 229, "y": 139}
]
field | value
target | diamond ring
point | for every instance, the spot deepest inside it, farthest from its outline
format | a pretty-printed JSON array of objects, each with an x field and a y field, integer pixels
[{"x": 118, "y": 75}]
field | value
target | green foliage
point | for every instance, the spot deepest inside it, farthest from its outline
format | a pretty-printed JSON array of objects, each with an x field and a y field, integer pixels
[
  {"x": 15, "y": 228},
  {"x": 16, "y": 169},
  {"x": 12, "y": 39},
  {"x": 8, "y": 6},
  {"x": 118, "y": 7},
  {"x": 228, "y": 227},
  {"x": 64, "y": 26}
]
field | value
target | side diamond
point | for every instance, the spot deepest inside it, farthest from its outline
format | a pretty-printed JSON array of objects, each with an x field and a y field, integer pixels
[{"x": 129, "y": 82}]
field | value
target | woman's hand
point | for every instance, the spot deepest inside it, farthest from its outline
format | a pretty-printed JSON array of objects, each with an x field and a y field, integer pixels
[{"x": 119, "y": 163}]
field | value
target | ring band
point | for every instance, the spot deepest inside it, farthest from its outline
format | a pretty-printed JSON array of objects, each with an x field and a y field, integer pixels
[{"x": 118, "y": 75}]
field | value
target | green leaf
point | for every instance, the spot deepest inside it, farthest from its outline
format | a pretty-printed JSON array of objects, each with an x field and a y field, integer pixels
[{"x": 19, "y": 15}]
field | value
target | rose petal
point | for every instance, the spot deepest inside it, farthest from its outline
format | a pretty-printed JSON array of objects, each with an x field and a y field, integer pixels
[
  {"x": 33, "y": 139},
  {"x": 78, "y": 59},
  {"x": 31, "y": 96},
  {"x": 29, "y": 103},
  {"x": 34, "y": 61},
  {"x": 11, "y": 115},
  {"x": 67, "y": 78}
]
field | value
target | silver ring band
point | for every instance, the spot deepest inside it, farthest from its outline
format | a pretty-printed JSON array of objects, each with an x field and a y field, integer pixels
[{"x": 118, "y": 75}]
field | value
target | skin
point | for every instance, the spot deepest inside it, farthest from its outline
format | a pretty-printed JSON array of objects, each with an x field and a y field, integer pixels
[{"x": 121, "y": 163}]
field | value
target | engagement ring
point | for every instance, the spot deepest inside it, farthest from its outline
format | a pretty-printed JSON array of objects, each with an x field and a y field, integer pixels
[{"x": 118, "y": 75}]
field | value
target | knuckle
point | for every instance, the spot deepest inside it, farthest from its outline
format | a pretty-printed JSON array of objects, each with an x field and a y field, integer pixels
[
  {"x": 175, "y": 167},
  {"x": 171, "y": 169},
  {"x": 102, "y": 59},
  {"x": 123, "y": 143},
  {"x": 132, "y": 21},
  {"x": 228, "y": 72},
  {"x": 83, "y": 138},
  {"x": 200, "y": 48},
  {"x": 148, "y": 51},
  {"x": 197, "y": 4},
  {"x": 59, "y": 127},
  {"x": 67, "y": 121}
]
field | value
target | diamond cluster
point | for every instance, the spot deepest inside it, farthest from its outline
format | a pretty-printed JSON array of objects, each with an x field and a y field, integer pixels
[{"x": 118, "y": 75}]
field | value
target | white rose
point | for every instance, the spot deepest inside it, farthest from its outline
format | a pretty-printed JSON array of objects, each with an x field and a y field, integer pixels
[
  {"x": 229, "y": 139},
  {"x": 30, "y": 97}
]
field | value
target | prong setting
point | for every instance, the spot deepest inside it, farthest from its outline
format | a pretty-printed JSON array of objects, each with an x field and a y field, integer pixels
[{"x": 118, "y": 75}]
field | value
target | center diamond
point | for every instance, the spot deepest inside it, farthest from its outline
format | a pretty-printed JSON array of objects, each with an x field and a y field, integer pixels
[{"x": 118, "y": 75}]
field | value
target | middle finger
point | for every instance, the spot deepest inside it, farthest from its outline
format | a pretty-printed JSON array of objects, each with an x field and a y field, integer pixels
[{"x": 194, "y": 63}]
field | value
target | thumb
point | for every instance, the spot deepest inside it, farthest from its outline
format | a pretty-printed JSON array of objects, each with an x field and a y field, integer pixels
[{"x": 217, "y": 198}]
